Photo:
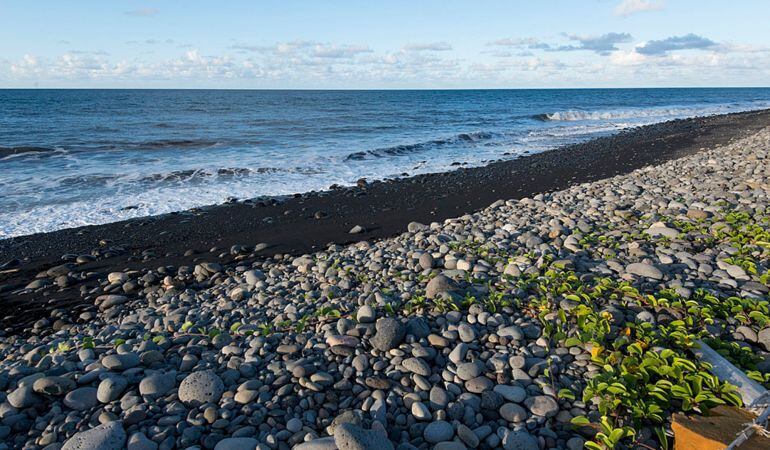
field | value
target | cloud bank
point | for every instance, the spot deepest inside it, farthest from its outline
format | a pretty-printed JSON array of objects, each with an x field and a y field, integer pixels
[
  {"x": 686, "y": 42},
  {"x": 606, "y": 59}
]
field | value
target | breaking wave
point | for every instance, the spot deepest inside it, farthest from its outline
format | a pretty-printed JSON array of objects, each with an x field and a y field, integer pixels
[
  {"x": 6, "y": 152},
  {"x": 396, "y": 150},
  {"x": 575, "y": 115},
  {"x": 180, "y": 176}
]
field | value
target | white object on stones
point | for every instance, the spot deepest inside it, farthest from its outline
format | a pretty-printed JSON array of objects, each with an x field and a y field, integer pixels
[
  {"x": 358, "y": 229},
  {"x": 661, "y": 229}
]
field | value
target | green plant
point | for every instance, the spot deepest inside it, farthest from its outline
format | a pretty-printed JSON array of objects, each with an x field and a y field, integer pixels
[{"x": 608, "y": 436}]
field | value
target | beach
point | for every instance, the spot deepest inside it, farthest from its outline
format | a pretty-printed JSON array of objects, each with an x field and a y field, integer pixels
[
  {"x": 485, "y": 307},
  {"x": 308, "y": 222}
]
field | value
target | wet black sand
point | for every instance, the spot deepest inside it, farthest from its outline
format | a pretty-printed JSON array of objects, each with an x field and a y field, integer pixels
[{"x": 310, "y": 221}]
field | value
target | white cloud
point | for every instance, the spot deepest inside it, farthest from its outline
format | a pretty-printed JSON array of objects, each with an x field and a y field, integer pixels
[
  {"x": 333, "y": 51},
  {"x": 429, "y": 46},
  {"x": 601, "y": 44},
  {"x": 630, "y": 7},
  {"x": 686, "y": 42}
]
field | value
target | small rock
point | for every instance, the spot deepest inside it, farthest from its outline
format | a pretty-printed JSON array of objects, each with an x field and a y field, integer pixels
[
  {"x": 237, "y": 443},
  {"x": 110, "y": 389},
  {"x": 520, "y": 440},
  {"x": 203, "y": 386},
  {"x": 349, "y": 436},
  {"x": 53, "y": 385},
  {"x": 513, "y": 413},
  {"x": 645, "y": 270},
  {"x": 110, "y": 436},
  {"x": 438, "y": 431},
  {"x": 366, "y": 314},
  {"x": 438, "y": 285},
  {"x": 390, "y": 333},
  {"x": 157, "y": 384},
  {"x": 542, "y": 405},
  {"x": 81, "y": 399},
  {"x": 23, "y": 397},
  {"x": 120, "y": 362},
  {"x": 139, "y": 441},
  {"x": 416, "y": 365}
]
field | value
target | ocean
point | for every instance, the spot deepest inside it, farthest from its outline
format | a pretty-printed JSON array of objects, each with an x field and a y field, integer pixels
[{"x": 79, "y": 157}]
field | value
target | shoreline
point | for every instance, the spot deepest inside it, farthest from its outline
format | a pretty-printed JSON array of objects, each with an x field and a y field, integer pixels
[
  {"x": 308, "y": 222},
  {"x": 504, "y": 328}
]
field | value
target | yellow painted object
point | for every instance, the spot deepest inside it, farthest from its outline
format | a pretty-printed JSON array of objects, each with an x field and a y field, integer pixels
[{"x": 715, "y": 431}]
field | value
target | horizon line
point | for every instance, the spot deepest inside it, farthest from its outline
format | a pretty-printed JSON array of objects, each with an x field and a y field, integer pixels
[{"x": 38, "y": 88}]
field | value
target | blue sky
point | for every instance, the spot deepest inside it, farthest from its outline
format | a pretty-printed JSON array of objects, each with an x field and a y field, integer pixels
[{"x": 387, "y": 44}]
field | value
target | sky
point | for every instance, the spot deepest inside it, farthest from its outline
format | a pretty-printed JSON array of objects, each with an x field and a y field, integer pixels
[{"x": 393, "y": 44}]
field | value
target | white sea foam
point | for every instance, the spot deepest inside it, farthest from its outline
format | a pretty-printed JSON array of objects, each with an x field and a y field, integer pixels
[{"x": 652, "y": 112}]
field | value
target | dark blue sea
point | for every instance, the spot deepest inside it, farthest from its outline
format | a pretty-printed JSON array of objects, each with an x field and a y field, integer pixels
[{"x": 77, "y": 157}]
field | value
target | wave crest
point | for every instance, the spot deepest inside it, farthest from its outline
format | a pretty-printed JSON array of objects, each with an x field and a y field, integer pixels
[
  {"x": 13, "y": 151},
  {"x": 575, "y": 115},
  {"x": 397, "y": 150}
]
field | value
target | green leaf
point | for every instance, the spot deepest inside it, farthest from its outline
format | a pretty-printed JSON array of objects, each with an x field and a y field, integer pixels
[
  {"x": 580, "y": 421},
  {"x": 590, "y": 445},
  {"x": 572, "y": 342},
  {"x": 566, "y": 393}
]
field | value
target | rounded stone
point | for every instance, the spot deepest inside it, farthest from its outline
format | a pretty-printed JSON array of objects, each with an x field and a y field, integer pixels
[
  {"x": 53, "y": 385},
  {"x": 511, "y": 393},
  {"x": 420, "y": 411},
  {"x": 23, "y": 397},
  {"x": 203, "y": 386},
  {"x": 416, "y": 365},
  {"x": 81, "y": 399},
  {"x": 120, "y": 362},
  {"x": 110, "y": 436},
  {"x": 157, "y": 384},
  {"x": 294, "y": 425},
  {"x": 438, "y": 431},
  {"x": 110, "y": 389},
  {"x": 237, "y": 443},
  {"x": 390, "y": 333},
  {"x": 349, "y": 436},
  {"x": 513, "y": 413},
  {"x": 468, "y": 371},
  {"x": 542, "y": 405},
  {"x": 520, "y": 440},
  {"x": 438, "y": 285}
]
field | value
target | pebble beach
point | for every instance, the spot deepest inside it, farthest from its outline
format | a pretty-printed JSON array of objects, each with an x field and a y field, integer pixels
[{"x": 564, "y": 319}]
